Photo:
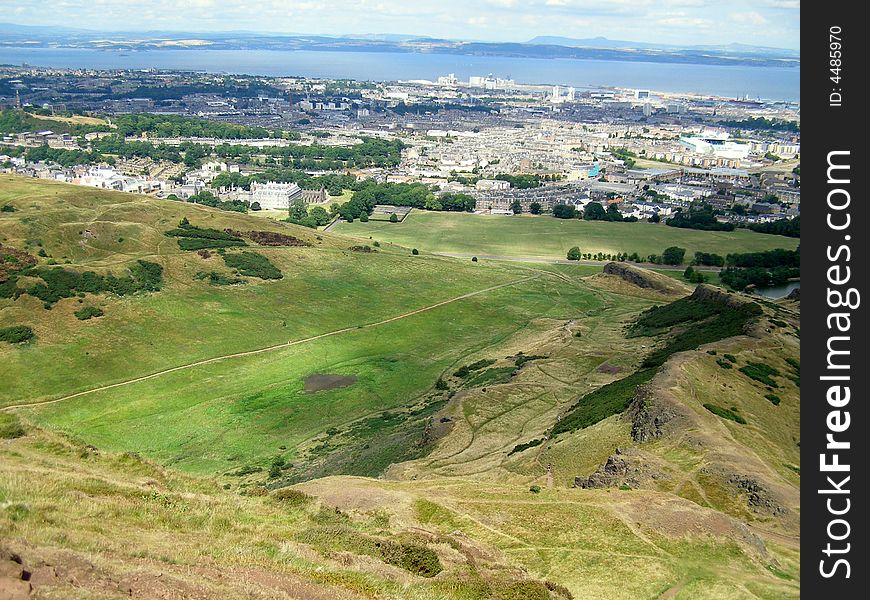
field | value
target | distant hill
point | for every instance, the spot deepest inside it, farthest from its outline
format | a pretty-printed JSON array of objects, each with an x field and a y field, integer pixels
[
  {"x": 603, "y": 42},
  {"x": 540, "y": 47}
]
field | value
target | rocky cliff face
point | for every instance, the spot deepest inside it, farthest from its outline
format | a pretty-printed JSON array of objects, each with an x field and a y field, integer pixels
[{"x": 638, "y": 277}]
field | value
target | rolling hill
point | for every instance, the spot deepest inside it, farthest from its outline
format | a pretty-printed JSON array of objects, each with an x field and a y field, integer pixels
[{"x": 264, "y": 410}]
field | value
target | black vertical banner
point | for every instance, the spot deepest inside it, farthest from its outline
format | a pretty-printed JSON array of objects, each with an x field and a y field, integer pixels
[{"x": 835, "y": 422}]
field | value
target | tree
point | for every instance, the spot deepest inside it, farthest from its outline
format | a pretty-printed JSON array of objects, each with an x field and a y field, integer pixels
[
  {"x": 364, "y": 217},
  {"x": 394, "y": 218},
  {"x": 473, "y": 259},
  {"x": 654, "y": 218},
  {"x": 255, "y": 206},
  {"x": 319, "y": 215},
  {"x": 594, "y": 212},
  {"x": 535, "y": 208},
  {"x": 673, "y": 255},
  {"x": 574, "y": 253},
  {"x": 613, "y": 213},
  {"x": 564, "y": 211},
  {"x": 415, "y": 252},
  {"x": 516, "y": 207},
  {"x": 298, "y": 211}
]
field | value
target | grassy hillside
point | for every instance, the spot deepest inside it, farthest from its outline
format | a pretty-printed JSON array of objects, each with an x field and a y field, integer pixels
[
  {"x": 186, "y": 411},
  {"x": 545, "y": 236},
  {"x": 334, "y": 311}
]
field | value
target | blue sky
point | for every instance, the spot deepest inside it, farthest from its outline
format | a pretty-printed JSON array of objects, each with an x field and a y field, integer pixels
[{"x": 758, "y": 22}]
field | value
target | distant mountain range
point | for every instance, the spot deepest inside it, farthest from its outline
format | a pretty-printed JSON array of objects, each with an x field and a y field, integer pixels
[
  {"x": 540, "y": 47},
  {"x": 603, "y": 42}
]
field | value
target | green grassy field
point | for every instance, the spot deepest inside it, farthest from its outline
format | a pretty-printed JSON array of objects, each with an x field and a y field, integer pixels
[
  {"x": 240, "y": 411},
  {"x": 545, "y": 236}
]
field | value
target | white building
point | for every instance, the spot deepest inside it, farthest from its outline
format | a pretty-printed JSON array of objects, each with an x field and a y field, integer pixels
[
  {"x": 273, "y": 195},
  {"x": 492, "y": 184},
  {"x": 716, "y": 144}
]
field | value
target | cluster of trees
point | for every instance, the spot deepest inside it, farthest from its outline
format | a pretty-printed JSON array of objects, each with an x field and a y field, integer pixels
[
  {"x": 673, "y": 255},
  {"x": 521, "y": 182},
  {"x": 301, "y": 215},
  {"x": 786, "y": 227},
  {"x": 371, "y": 152},
  {"x": 762, "y": 269},
  {"x": 699, "y": 216},
  {"x": 708, "y": 259},
  {"x": 66, "y": 158},
  {"x": 59, "y": 282},
  {"x": 626, "y": 156},
  {"x": 764, "y": 124},
  {"x": 179, "y": 126},
  {"x": 228, "y": 88},
  {"x": 116, "y": 145},
  {"x": 740, "y": 279},
  {"x": 595, "y": 212},
  {"x": 206, "y": 198},
  {"x": 334, "y": 183},
  {"x": 416, "y": 195},
  {"x": 19, "y": 121},
  {"x": 693, "y": 275}
]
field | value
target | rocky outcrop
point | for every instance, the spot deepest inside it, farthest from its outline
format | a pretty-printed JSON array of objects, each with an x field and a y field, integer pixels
[
  {"x": 720, "y": 296},
  {"x": 795, "y": 294},
  {"x": 650, "y": 415},
  {"x": 758, "y": 497},
  {"x": 626, "y": 467},
  {"x": 638, "y": 277}
]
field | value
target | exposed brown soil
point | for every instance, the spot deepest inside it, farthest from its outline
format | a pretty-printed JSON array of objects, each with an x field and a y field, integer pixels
[
  {"x": 317, "y": 382},
  {"x": 270, "y": 238}
]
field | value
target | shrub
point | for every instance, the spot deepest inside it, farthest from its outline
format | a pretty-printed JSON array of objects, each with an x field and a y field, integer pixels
[
  {"x": 291, "y": 496},
  {"x": 522, "y": 590},
  {"x": 16, "y": 334},
  {"x": 760, "y": 372},
  {"x": 774, "y": 399},
  {"x": 252, "y": 264},
  {"x": 10, "y": 427},
  {"x": 394, "y": 218},
  {"x": 535, "y": 489},
  {"x": 607, "y": 400},
  {"x": 440, "y": 384},
  {"x": 88, "y": 312},
  {"x": 724, "y": 364},
  {"x": 730, "y": 358},
  {"x": 526, "y": 446},
  {"x": 574, "y": 253},
  {"x": 473, "y": 259},
  {"x": 725, "y": 413},
  {"x": 415, "y": 252},
  {"x": 415, "y": 558},
  {"x": 466, "y": 370}
]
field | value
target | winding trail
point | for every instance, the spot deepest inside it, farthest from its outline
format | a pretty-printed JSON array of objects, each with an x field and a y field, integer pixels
[{"x": 270, "y": 348}]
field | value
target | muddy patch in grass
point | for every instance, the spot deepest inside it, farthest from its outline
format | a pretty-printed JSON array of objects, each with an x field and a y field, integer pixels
[
  {"x": 612, "y": 369},
  {"x": 318, "y": 382}
]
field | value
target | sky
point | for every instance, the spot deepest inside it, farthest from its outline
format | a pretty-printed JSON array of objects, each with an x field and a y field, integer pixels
[{"x": 774, "y": 23}]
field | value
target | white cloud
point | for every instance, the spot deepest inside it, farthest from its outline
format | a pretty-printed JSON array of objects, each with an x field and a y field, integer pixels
[
  {"x": 688, "y": 22},
  {"x": 752, "y": 17}
]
